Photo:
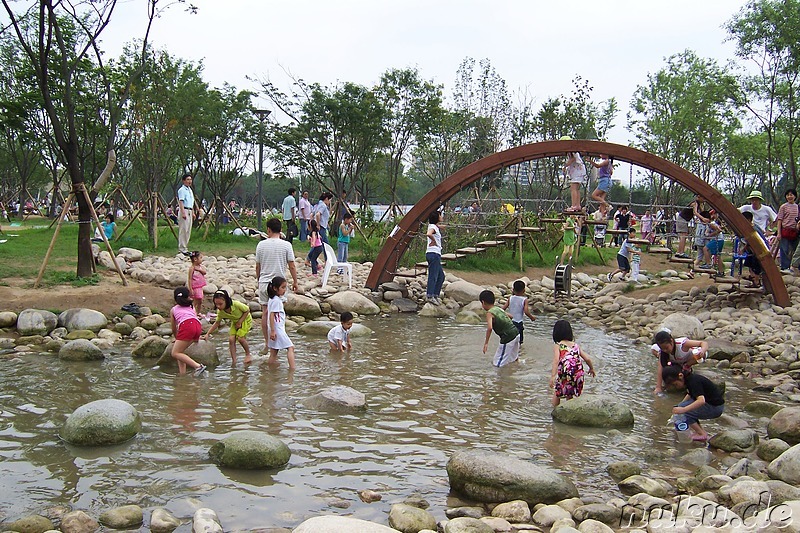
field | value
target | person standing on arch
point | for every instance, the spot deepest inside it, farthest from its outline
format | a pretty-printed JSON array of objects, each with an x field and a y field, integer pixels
[
  {"x": 289, "y": 209},
  {"x": 186, "y": 214},
  {"x": 576, "y": 170}
]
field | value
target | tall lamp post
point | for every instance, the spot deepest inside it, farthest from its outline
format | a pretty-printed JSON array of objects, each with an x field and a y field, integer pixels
[{"x": 262, "y": 115}]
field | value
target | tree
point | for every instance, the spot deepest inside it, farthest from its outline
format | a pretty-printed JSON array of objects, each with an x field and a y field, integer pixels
[
  {"x": 444, "y": 149},
  {"x": 59, "y": 64}
]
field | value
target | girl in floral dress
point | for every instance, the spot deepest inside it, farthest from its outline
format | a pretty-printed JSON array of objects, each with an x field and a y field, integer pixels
[{"x": 567, "y": 376}]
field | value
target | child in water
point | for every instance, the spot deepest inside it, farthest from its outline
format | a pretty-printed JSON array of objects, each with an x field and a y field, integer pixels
[
  {"x": 703, "y": 400},
  {"x": 681, "y": 352},
  {"x": 241, "y": 323},
  {"x": 498, "y": 321},
  {"x": 186, "y": 328},
  {"x": 197, "y": 279},
  {"x": 566, "y": 378},
  {"x": 517, "y": 306},
  {"x": 278, "y": 339},
  {"x": 339, "y": 336}
]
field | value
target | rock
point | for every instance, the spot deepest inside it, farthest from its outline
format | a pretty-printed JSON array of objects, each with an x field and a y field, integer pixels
[
  {"x": 30, "y": 524},
  {"x": 787, "y": 466},
  {"x": 8, "y": 319},
  {"x": 771, "y": 449},
  {"x": 36, "y": 322},
  {"x": 435, "y": 311},
  {"x": 404, "y": 305},
  {"x": 337, "y": 399},
  {"x": 594, "y": 411},
  {"x": 735, "y": 440},
  {"x": 594, "y": 526},
  {"x": 322, "y": 327},
  {"x": 742, "y": 467},
  {"x": 547, "y": 515},
  {"x": 408, "y": 519},
  {"x": 78, "y": 522},
  {"x": 353, "y": 301},
  {"x": 517, "y": 511},
  {"x": 299, "y": 305},
  {"x": 250, "y": 450},
  {"x": 494, "y": 477},
  {"x": 785, "y": 425},
  {"x": 138, "y": 333},
  {"x": 205, "y": 520},
  {"x": 467, "y": 525},
  {"x": 570, "y": 504},
  {"x": 80, "y": 334},
  {"x": 469, "y": 317},
  {"x": 80, "y": 350},
  {"x": 602, "y": 512},
  {"x": 498, "y": 525},
  {"x": 150, "y": 347},
  {"x": 130, "y": 254},
  {"x": 78, "y": 318},
  {"x": 102, "y": 422},
  {"x": 470, "y": 512},
  {"x": 762, "y": 408},
  {"x": 369, "y": 496},
  {"x": 683, "y": 325},
  {"x": 636, "y": 484},
  {"x": 463, "y": 292},
  {"x": 125, "y": 517},
  {"x": 204, "y": 352},
  {"x": 162, "y": 521},
  {"x": 782, "y": 491},
  {"x": 748, "y": 491},
  {"x": 722, "y": 350},
  {"x": 342, "y": 524},
  {"x": 620, "y": 470},
  {"x": 123, "y": 328}
]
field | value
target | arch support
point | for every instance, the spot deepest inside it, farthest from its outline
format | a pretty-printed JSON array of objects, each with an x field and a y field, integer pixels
[{"x": 398, "y": 241}]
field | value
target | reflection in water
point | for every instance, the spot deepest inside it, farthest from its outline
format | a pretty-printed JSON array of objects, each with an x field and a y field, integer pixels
[{"x": 430, "y": 392}]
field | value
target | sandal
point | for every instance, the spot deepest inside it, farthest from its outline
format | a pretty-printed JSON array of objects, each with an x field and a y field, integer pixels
[{"x": 132, "y": 308}]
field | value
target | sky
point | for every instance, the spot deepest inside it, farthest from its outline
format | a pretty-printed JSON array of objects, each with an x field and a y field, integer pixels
[{"x": 537, "y": 46}]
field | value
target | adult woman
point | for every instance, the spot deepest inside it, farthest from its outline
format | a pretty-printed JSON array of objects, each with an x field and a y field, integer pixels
[
  {"x": 433, "y": 255},
  {"x": 788, "y": 215}
]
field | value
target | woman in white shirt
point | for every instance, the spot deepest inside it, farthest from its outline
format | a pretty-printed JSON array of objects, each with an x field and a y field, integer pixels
[{"x": 433, "y": 255}]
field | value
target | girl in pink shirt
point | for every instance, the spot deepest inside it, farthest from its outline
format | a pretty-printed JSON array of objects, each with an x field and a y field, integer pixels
[{"x": 187, "y": 329}]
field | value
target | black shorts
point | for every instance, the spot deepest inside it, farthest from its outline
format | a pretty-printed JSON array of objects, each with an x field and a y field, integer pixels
[{"x": 623, "y": 263}]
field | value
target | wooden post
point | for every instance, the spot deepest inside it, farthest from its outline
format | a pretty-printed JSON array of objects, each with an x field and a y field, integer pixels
[
  {"x": 225, "y": 207},
  {"x": 67, "y": 205},
  {"x": 130, "y": 222},
  {"x": 154, "y": 207},
  {"x": 82, "y": 188},
  {"x": 169, "y": 221}
]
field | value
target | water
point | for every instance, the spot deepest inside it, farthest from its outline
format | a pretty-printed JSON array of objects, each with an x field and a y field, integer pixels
[{"x": 430, "y": 392}]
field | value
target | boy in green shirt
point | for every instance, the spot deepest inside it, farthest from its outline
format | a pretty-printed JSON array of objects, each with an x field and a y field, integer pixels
[
  {"x": 500, "y": 322},
  {"x": 571, "y": 230}
]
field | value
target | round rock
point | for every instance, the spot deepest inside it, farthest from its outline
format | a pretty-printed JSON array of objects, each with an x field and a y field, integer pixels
[
  {"x": 79, "y": 318},
  {"x": 299, "y": 305},
  {"x": 78, "y": 522},
  {"x": 250, "y": 450},
  {"x": 80, "y": 350},
  {"x": 30, "y": 524},
  {"x": 785, "y": 425},
  {"x": 353, "y": 301},
  {"x": 341, "y": 524},
  {"x": 152, "y": 347},
  {"x": 337, "y": 399},
  {"x": 594, "y": 411},
  {"x": 467, "y": 525},
  {"x": 125, "y": 517},
  {"x": 8, "y": 319},
  {"x": 322, "y": 327},
  {"x": 410, "y": 519},
  {"x": 36, "y": 322},
  {"x": 101, "y": 423}
]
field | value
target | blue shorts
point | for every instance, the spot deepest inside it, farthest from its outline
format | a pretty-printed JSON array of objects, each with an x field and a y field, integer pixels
[
  {"x": 604, "y": 184},
  {"x": 623, "y": 263},
  {"x": 715, "y": 246}
]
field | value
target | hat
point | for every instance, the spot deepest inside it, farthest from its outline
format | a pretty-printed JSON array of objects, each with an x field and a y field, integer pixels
[
  {"x": 565, "y": 138},
  {"x": 755, "y": 194}
]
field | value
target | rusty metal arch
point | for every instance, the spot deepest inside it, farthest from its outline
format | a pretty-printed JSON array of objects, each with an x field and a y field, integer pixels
[{"x": 400, "y": 238}]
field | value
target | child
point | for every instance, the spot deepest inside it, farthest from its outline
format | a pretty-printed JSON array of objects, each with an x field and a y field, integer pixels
[
  {"x": 278, "y": 339},
  {"x": 339, "y": 336},
  {"x": 197, "y": 279},
  {"x": 700, "y": 240},
  {"x": 571, "y": 230},
  {"x": 576, "y": 170},
  {"x": 108, "y": 226},
  {"x": 566, "y": 378},
  {"x": 715, "y": 241},
  {"x": 315, "y": 239},
  {"x": 647, "y": 226},
  {"x": 636, "y": 260},
  {"x": 605, "y": 167},
  {"x": 186, "y": 328},
  {"x": 703, "y": 400},
  {"x": 518, "y": 303},
  {"x": 241, "y": 322},
  {"x": 624, "y": 256},
  {"x": 499, "y": 321},
  {"x": 682, "y": 352},
  {"x": 346, "y": 231}
]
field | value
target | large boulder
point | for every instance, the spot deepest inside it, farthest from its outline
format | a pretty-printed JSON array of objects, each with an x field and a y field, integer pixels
[
  {"x": 299, "y": 305},
  {"x": 30, "y": 524},
  {"x": 594, "y": 411},
  {"x": 150, "y": 347},
  {"x": 353, "y": 301},
  {"x": 683, "y": 325},
  {"x": 204, "y": 352},
  {"x": 787, "y": 466},
  {"x": 635, "y": 484},
  {"x": 8, "y": 319},
  {"x": 125, "y": 517},
  {"x": 78, "y": 318},
  {"x": 340, "y": 524},
  {"x": 466, "y": 524},
  {"x": 101, "y": 423},
  {"x": 78, "y": 522},
  {"x": 36, "y": 322},
  {"x": 719, "y": 349},
  {"x": 619, "y": 470},
  {"x": 337, "y": 399},
  {"x": 785, "y": 425},
  {"x": 771, "y": 449},
  {"x": 463, "y": 292},
  {"x": 80, "y": 350},
  {"x": 131, "y": 254},
  {"x": 409, "y": 519},
  {"x": 322, "y": 327},
  {"x": 495, "y": 477},
  {"x": 205, "y": 520},
  {"x": 250, "y": 450},
  {"x": 735, "y": 440},
  {"x": 762, "y": 408},
  {"x": 162, "y": 521}
]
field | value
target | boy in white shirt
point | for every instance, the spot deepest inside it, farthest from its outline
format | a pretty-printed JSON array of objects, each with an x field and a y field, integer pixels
[{"x": 339, "y": 336}]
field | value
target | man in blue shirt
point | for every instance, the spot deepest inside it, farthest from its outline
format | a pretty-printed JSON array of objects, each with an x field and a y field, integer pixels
[{"x": 186, "y": 214}]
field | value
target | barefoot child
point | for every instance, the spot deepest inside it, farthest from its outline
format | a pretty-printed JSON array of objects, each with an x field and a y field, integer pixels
[
  {"x": 315, "y": 240},
  {"x": 681, "y": 352},
  {"x": 186, "y": 328},
  {"x": 197, "y": 279},
  {"x": 278, "y": 339},
  {"x": 339, "y": 336},
  {"x": 571, "y": 230},
  {"x": 703, "y": 400},
  {"x": 498, "y": 321},
  {"x": 517, "y": 305},
  {"x": 241, "y": 322},
  {"x": 624, "y": 256},
  {"x": 576, "y": 170},
  {"x": 605, "y": 167},
  {"x": 566, "y": 378}
]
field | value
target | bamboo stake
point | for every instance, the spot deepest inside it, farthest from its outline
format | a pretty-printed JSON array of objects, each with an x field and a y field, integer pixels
[
  {"x": 67, "y": 205},
  {"x": 82, "y": 188}
]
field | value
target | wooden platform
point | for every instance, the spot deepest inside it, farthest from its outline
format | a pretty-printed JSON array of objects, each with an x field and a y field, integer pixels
[
  {"x": 642, "y": 242},
  {"x": 452, "y": 256},
  {"x": 531, "y": 229},
  {"x": 660, "y": 250},
  {"x": 705, "y": 270},
  {"x": 597, "y": 222},
  {"x": 424, "y": 264},
  {"x": 617, "y": 231},
  {"x": 751, "y": 290},
  {"x": 551, "y": 220},
  {"x": 469, "y": 250},
  {"x": 578, "y": 213},
  {"x": 509, "y": 236},
  {"x": 490, "y": 244},
  {"x": 684, "y": 260},
  {"x": 726, "y": 279}
]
